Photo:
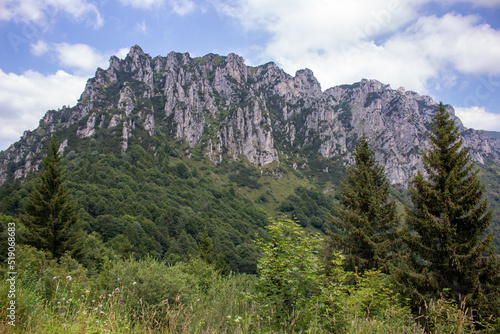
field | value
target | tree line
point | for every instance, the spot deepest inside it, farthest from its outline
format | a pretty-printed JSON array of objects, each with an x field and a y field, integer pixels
[
  {"x": 443, "y": 247},
  {"x": 440, "y": 248}
]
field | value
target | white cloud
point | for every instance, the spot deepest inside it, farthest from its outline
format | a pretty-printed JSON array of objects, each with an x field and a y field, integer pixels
[
  {"x": 80, "y": 56},
  {"x": 42, "y": 12},
  {"x": 39, "y": 48},
  {"x": 122, "y": 53},
  {"x": 343, "y": 42},
  {"x": 462, "y": 41},
  {"x": 143, "y": 4},
  {"x": 25, "y": 98},
  {"x": 182, "y": 7},
  {"x": 478, "y": 118}
]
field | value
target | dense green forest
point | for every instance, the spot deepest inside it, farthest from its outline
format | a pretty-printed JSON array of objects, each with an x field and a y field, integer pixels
[{"x": 140, "y": 243}]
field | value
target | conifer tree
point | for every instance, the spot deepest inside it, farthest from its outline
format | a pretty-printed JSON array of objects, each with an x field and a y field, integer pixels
[
  {"x": 206, "y": 248},
  {"x": 367, "y": 219},
  {"x": 49, "y": 216},
  {"x": 447, "y": 250}
]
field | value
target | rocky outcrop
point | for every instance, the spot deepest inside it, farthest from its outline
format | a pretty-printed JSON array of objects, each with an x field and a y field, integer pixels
[{"x": 231, "y": 110}]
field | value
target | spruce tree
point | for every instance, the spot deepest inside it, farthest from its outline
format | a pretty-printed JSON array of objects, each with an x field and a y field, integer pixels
[
  {"x": 206, "y": 248},
  {"x": 447, "y": 249},
  {"x": 367, "y": 220},
  {"x": 49, "y": 215}
]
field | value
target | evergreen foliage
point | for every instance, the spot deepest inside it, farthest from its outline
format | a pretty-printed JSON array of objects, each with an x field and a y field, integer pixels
[
  {"x": 206, "y": 248},
  {"x": 367, "y": 220},
  {"x": 447, "y": 249},
  {"x": 49, "y": 214}
]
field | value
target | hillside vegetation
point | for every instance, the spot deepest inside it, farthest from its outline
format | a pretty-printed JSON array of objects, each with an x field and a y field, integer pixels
[{"x": 201, "y": 195}]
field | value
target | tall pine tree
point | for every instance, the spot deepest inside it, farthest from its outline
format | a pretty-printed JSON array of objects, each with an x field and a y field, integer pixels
[
  {"x": 367, "y": 219},
  {"x": 49, "y": 216},
  {"x": 447, "y": 250}
]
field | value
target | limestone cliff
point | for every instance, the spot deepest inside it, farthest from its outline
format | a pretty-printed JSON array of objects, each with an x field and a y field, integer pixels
[{"x": 230, "y": 110}]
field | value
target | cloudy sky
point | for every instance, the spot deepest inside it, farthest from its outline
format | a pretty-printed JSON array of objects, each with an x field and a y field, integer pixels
[{"x": 448, "y": 49}]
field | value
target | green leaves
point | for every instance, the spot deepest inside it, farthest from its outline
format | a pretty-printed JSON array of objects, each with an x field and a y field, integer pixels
[{"x": 289, "y": 271}]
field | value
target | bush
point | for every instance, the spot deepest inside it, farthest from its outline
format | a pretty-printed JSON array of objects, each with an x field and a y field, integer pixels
[
  {"x": 288, "y": 269},
  {"x": 150, "y": 282}
]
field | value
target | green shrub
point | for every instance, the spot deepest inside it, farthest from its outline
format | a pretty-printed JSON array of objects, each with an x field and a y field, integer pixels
[
  {"x": 150, "y": 282},
  {"x": 288, "y": 274}
]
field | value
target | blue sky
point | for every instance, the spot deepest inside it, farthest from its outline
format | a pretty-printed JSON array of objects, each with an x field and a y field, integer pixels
[{"x": 448, "y": 49}]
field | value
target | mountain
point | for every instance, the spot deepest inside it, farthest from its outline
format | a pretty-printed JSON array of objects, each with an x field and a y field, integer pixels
[
  {"x": 492, "y": 134},
  {"x": 227, "y": 109},
  {"x": 177, "y": 144}
]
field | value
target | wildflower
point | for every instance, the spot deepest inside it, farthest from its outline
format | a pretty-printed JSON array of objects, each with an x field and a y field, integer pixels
[
  {"x": 100, "y": 305},
  {"x": 71, "y": 291},
  {"x": 102, "y": 312},
  {"x": 118, "y": 279},
  {"x": 69, "y": 301},
  {"x": 55, "y": 277},
  {"x": 134, "y": 283},
  {"x": 64, "y": 298},
  {"x": 117, "y": 290},
  {"x": 68, "y": 278},
  {"x": 87, "y": 291},
  {"x": 110, "y": 296}
]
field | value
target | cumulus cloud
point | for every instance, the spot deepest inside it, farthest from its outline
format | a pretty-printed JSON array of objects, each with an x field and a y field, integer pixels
[
  {"x": 460, "y": 41},
  {"x": 478, "y": 118},
  {"x": 20, "y": 111},
  {"x": 43, "y": 12},
  {"x": 122, "y": 53},
  {"x": 388, "y": 40},
  {"x": 80, "y": 57},
  {"x": 24, "y": 98}
]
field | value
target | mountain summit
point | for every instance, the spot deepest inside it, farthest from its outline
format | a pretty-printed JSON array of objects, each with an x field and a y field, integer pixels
[{"x": 224, "y": 109}]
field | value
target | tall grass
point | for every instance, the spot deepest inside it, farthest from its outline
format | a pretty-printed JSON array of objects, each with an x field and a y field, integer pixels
[{"x": 54, "y": 297}]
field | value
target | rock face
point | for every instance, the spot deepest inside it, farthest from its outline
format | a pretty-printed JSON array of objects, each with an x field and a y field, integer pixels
[{"x": 231, "y": 110}]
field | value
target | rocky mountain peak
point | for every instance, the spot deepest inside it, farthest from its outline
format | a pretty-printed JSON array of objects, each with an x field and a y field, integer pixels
[
  {"x": 136, "y": 52},
  {"x": 306, "y": 82},
  {"x": 228, "y": 110}
]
